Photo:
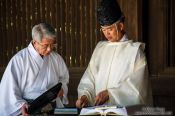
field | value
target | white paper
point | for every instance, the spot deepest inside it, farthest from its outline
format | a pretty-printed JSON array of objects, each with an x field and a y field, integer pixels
[{"x": 103, "y": 111}]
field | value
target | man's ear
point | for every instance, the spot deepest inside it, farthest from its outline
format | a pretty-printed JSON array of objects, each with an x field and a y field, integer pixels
[
  {"x": 34, "y": 42},
  {"x": 121, "y": 26}
]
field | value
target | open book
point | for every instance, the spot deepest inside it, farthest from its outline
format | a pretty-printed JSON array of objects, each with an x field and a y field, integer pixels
[
  {"x": 103, "y": 111},
  {"x": 44, "y": 98}
]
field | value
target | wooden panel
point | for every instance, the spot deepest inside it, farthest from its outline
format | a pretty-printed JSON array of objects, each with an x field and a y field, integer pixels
[
  {"x": 171, "y": 39},
  {"x": 163, "y": 92},
  {"x": 75, "y": 22},
  {"x": 3, "y": 34},
  {"x": 130, "y": 10},
  {"x": 162, "y": 75},
  {"x": 75, "y": 76},
  {"x": 71, "y": 19}
]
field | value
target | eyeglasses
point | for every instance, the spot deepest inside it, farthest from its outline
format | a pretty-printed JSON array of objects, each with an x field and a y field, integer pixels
[{"x": 46, "y": 46}]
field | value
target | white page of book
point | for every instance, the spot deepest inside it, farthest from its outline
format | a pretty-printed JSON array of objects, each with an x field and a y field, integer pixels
[
  {"x": 118, "y": 111},
  {"x": 103, "y": 111}
]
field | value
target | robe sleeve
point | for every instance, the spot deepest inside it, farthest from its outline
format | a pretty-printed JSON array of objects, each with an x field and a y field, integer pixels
[
  {"x": 64, "y": 79},
  {"x": 87, "y": 82},
  {"x": 135, "y": 89},
  {"x": 86, "y": 85},
  {"x": 11, "y": 96}
]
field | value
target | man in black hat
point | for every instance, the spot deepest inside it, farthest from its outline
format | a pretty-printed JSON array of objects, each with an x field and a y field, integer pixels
[{"x": 117, "y": 73}]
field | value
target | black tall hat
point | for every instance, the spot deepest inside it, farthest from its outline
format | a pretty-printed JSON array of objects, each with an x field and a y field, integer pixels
[{"x": 109, "y": 12}]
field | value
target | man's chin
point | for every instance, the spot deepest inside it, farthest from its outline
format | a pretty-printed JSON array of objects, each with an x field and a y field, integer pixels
[
  {"x": 46, "y": 54},
  {"x": 112, "y": 40}
]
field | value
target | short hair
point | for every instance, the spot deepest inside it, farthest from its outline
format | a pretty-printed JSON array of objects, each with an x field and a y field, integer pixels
[{"x": 43, "y": 30}]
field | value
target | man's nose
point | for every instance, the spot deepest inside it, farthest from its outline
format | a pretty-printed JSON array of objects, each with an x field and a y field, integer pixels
[
  {"x": 48, "y": 48},
  {"x": 107, "y": 32}
]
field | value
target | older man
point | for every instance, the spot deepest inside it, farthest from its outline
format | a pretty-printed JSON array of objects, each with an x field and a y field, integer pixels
[
  {"x": 117, "y": 73},
  {"x": 32, "y": 71}
]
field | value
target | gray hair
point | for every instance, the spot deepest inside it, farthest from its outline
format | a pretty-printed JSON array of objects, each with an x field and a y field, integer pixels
[{"x": 43, "y": 30}]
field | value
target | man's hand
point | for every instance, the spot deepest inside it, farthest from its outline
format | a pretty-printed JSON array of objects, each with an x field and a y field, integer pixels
[
  {"x": 24, "y": 109},
  {"x": 61, "y": 92},
  {"x": 101, "y": 98},
  {"x": 82, "y": 102}
]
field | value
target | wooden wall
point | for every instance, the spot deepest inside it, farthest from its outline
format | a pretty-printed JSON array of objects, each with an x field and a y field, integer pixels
[
  {"x": 159, "y": 36},
  {"x": 74, "y": 21}
]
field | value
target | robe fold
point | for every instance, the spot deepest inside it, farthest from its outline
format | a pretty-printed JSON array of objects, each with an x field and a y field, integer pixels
[
  {"x": 120, "y": 68},
  {"x": 27, "y": 76}
]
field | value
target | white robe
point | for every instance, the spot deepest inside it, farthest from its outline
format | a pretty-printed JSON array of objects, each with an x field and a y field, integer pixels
[
  {"x": 27, "y": 76},
  {"x": 120, "y": 68}
]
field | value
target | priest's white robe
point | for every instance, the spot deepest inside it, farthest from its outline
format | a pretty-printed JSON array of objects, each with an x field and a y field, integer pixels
[
  {"x": 120, "y": 68},
  {"x": 27, "y": 76}
]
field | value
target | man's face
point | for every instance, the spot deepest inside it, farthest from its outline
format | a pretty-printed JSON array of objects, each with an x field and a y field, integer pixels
[
  {"x": 44, "y": 47},
  {"x": 113, "y": 32}
]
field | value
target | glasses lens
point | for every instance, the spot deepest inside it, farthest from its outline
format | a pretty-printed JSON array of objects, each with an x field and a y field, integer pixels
[{"x": 45, "y": 46}]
